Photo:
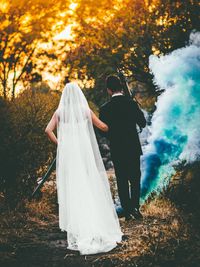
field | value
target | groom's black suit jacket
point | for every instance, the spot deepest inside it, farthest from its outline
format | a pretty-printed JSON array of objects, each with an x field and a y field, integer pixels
[{"x": 122, "y": 115}]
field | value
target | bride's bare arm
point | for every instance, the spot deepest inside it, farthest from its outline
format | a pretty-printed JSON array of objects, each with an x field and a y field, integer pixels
[
  {"x": 50, "y": 128},
  {"x": 98, "y": 123}
]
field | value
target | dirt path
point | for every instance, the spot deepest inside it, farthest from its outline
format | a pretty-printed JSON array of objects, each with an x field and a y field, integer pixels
[
  {"x": 161, "y": 239},
  {"x": 166, "y": 237}
]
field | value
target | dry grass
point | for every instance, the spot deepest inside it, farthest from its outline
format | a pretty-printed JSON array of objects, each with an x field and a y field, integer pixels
[{"x": 159, "y": 239}]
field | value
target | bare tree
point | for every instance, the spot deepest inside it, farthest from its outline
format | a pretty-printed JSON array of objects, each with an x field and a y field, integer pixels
[{"x": 23, "y": 25}]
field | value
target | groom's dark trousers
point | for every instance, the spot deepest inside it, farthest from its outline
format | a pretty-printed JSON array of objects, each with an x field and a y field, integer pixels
[{"x": 122, "y": 115}]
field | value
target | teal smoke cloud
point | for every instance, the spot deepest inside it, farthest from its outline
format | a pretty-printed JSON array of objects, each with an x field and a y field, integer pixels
[{"x": 175, "y": 129}]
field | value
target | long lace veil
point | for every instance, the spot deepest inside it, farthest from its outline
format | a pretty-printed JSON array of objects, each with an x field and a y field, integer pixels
[{"x": 86, "y": 209}]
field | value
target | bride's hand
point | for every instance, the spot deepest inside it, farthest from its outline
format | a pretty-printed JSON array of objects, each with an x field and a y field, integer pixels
[{"x": 98, "y": 123}]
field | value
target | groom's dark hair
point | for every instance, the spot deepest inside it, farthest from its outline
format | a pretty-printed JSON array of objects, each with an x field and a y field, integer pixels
[{"x": 113, "y": 83}]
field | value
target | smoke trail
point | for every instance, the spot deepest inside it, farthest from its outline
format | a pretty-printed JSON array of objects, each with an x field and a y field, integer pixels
[{"x": 175, "y": 130}]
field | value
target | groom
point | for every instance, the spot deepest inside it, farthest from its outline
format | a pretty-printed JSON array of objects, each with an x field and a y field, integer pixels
[{"x": 122, "y": 115}]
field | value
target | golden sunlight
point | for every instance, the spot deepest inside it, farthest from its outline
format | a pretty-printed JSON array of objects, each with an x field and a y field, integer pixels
[
  {"x": 3, "y": 6},
  {"x": 73, "y": 6},
  {"x": 66, "y": 34}
]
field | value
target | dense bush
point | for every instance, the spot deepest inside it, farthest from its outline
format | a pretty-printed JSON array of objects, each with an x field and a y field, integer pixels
[{"x": 24, "y": 147}]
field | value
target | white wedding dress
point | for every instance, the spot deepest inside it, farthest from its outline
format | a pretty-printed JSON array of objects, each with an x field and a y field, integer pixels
[{"x": 86, "y": 208}]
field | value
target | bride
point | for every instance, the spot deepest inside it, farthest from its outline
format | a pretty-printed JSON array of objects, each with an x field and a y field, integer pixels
[{"x": 86, "y": 209}]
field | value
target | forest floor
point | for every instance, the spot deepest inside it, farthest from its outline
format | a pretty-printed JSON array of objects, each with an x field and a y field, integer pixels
[{"x": 168, "y": 236}]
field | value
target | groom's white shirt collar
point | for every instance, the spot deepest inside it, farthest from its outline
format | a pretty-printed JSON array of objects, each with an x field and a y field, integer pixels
[{"x": 116, "y": 94}]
